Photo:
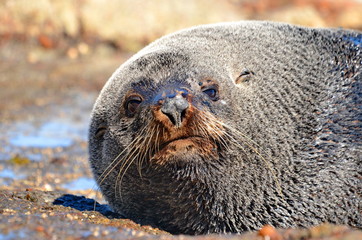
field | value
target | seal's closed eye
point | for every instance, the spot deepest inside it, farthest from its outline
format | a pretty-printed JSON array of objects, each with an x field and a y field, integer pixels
[{"x": 244, "y": 76}]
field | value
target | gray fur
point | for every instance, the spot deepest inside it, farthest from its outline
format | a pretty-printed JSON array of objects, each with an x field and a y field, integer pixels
[{"x": 302, "y": 106}]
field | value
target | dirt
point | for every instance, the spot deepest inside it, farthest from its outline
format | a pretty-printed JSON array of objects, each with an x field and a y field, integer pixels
[
  {"x": 36, "y": 214},
  {"x": 47, "y": 189}
]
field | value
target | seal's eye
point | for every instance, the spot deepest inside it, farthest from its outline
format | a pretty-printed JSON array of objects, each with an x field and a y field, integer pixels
[
  {"x": 132, "y": 104},
  {"x": 212, "y": 93}
]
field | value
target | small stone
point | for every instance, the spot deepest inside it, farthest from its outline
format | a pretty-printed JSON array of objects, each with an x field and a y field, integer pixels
[
  {"x": 69, "y": 216},
  {"x": 45, "y": 41},
  {"x": 83, "y": 48},
  {"x": 48, "y": 187},
  {"x": 8, "y": 211},
  {"x": 72, "y": 53},
  {"x": 268, "y": 232},
  {"x": 96, "y": 232},
  {"x": 18, "y": 160},
  {"x": 40, "y": 229}
]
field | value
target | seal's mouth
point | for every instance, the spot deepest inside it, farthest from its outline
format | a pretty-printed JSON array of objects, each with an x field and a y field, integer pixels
[
  {"x": 180, "y": 141},
  {"x": 185, "y": 148},
  {"x": 196, "y": 137}
]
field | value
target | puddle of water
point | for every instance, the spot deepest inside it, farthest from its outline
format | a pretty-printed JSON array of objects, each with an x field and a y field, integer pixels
[
  {"x": 35, "y": 157},
  {"x": 62, "y": 127},
  {"x": 40, "y": 141},
  {"x": 7, "y": 176},
  {"x": 4, "y": 156},
  {"x": 50, "y": 134},
  {"x": 82, "y": 183},
  {"x": 58, "y": 130},
  {"x": 8, "y": 173},
  {"x": 18, "y": 234}
]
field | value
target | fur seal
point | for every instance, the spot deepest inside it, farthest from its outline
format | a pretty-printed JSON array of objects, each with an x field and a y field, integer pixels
[{"x": 228, "y": 127}]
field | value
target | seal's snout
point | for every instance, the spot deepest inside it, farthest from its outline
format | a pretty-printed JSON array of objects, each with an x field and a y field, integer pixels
[
  {"x": 173, "y": 105},
  {"x": 175, "y": 109}
]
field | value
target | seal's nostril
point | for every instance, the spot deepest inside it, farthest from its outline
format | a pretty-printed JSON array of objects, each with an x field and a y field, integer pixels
[
  {"x": 170, "y": 116},
  {"x": 183, "y": 114},
  {"x": 175, "y": 109}
]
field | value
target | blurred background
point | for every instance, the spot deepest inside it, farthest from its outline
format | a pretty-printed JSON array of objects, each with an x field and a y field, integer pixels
[
  {"x": 130, "y": 24},
  {"x": 55, "y": 56}
]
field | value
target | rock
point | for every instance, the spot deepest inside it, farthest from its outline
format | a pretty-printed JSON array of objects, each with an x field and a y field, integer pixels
[{"x": 35, "y": 214}]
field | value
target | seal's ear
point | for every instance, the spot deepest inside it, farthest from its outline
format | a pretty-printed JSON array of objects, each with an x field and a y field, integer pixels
[
  {"x": 245, "y": 76},
  {"x": 101, "y": 130}
]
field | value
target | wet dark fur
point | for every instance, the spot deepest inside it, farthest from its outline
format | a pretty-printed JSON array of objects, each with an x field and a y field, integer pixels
[{"x": 288, "y": 117}]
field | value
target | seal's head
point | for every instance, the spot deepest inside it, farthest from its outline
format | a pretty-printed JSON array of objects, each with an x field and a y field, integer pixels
[
  {"x": 158, "y": 135},
  {"x": 212, "y": 129},
  {"x": 156, "y": 132}
]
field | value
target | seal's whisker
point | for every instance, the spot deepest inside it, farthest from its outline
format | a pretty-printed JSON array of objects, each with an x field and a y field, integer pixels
[
  {"x": 248, "y": 142},
  {"x": 202, "y": 131},
  {"x": 138, "y": 153},
  {"x": 110, "y": 168},
  {"x": 127, "y": 161},
  {"x": 220, "y": 132},
  {"x": 245, "y": 137},
  {"x": 233, "y": 134},
  {"x": 157, "y": 142},
  {"x": 120, "y": 177},
  {"x": 117, "y": 161},
  {"x": 222, "y": 140},
  {"x": 216, "y": 139},
  {"x": 277, "y": 182},
  {"x": 95, "y": 188},
  {"x": 154, "y": 138},
  {"x": 254, "y": 149},
  {"x": 147, "y": 151},
  {"x": 213, "y": 128}
]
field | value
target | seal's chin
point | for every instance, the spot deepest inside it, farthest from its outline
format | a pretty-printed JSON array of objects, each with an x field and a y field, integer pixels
[{"x": 182, "y": 149}]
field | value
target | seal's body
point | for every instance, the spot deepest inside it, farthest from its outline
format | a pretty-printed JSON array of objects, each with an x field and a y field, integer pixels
[{"x": 228, "y": 127}]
